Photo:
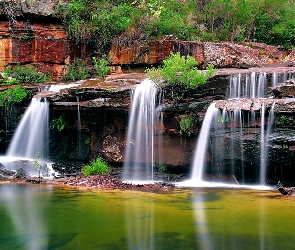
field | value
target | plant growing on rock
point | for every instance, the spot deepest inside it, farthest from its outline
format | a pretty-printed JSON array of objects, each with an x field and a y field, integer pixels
[
  {"x": 39, "y": 165},
  {"x": 26, "y": 74},
  {"x": 101, "y": 66},
  {"x": 186, "y": 124},
  {"x": 12, "y": 95},
  {"x": 76, "y": 70},
  {"x": 181, "y": 73},
  {"x": 96, "y": 167}
]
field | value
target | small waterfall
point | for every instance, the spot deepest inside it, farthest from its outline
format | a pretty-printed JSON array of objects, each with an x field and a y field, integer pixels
[
  {"x": 248, "y": 86},
  {"x": 139, "y": 153},
  {"x": 229, "y": 138},
  {"x": 31, "y": 135},
  {"x": 201, "y": 146},
  {"x": 264, "y": 140},
  {"x": 79, "y": 134}
]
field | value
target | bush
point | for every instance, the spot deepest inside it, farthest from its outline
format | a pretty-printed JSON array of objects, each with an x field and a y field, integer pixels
[
  {"x": 12, "y": 95},
  {"x": 181, "y": 74},
  {"x": 101, "y": 66},
  {"x": 26, "y": 74},
  {"x": 96, "y": 167},
  {"x": 76, "y": 71}
]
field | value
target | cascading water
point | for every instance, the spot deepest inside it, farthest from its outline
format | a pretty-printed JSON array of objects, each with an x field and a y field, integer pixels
[
  {"x": 31, "y": 138},
  {"x": 228, "y": 133},
  {"x": 79, "y": 133},
  {"x": 30, "y": 141},
  {"x": 201, "y": 148},
  {"x": 139, "y": 153},
  {"x": 31, "y": 135}
]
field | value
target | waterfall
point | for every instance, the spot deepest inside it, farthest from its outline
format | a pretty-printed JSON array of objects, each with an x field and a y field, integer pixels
[
  {"x": 139, "y": 152},
  {"x": 31, "y": 135},
  {"x": 229, "y": 138},
  {"x": 79, "y": 134},
  {"x": 264, "y": 140},
  {"x": 201, "y": 146}
]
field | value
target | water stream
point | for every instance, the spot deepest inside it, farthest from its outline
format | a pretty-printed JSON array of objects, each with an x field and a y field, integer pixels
[
  {"x": 139, "y": 152},
  {"x": 223, "y": 137}
]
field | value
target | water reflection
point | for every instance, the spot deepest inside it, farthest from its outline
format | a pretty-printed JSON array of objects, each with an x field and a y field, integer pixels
[
  {"x": 202, "y": 230},
  {"x": 139, "y": 222},
  {"x": 27, "y": 215},
  {"x": 35, "y": 217}
]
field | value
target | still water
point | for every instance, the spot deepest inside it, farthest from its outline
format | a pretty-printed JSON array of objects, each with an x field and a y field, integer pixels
[{"x": 44, "y": 217}]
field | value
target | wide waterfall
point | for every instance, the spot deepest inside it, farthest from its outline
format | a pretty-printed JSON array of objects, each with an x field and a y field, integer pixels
[
  {"x": 140, "y": 151},
  {"x": 225, "y": 135}
]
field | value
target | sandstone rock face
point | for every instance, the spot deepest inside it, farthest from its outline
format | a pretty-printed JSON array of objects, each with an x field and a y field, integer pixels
[
  {"x": 33, "y": 41},
  {"x": 152, "y": 52},
  {"x": 221, "y": 55}
]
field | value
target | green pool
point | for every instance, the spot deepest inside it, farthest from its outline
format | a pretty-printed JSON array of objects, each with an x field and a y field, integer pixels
[{"x": 43, "y": 217}]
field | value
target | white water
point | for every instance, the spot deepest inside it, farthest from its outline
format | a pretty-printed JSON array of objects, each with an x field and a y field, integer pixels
[
  {"x": 79, "y": 133},
  {"x": 253, "y": 85},
  {"x": 31, "y": 135},
  {"x": 201, "y": 146},
  {"x": 264, "y": 142},
  {"x": 248, "y": 86},
  {"x": 139, "y": 153}
]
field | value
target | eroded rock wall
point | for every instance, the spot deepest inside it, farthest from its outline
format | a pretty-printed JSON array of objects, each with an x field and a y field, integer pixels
[{"x": 30, "y": 33}]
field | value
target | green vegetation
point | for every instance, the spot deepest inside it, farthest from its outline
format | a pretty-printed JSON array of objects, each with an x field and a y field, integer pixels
[
  {"x": 282, "y": 119},
  {"x": 221, "y": 119},
  {"x": 12, "y": 95},
  {"x": 267, "y": 21},
  {"x": 76, "y": 70},
  {"x": 186, "y": 125},
  {"x": 25, "y": 74},
  {"x": 101, "y": 66},
  {"x": 96, "y": 167},
  {"x": 60, "y": 123},
  {"x": 181, "y": 73},
  {"x": 39, "y": 164}
]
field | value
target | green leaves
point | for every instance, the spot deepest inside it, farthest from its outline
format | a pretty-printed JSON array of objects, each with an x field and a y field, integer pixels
[
  {"x": 181, "y": 73},
  {"x": 12, "y": 95},
  {"x": 96, "y": 167},
  {"x": 101, "y": 66}
]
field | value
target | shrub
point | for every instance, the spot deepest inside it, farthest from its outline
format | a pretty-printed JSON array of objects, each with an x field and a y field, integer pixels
[
  {"x": 12, "y": 95},
  {"x": 76, "y": 70},
  {"x": 26, "y": 74},
  {"x": 181, "y": 74},
  {"x": 101, "y": 66},
  {"x": 98, "y": 166}
]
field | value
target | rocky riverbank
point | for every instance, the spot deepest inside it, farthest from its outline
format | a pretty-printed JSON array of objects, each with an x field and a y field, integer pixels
[{"x": 96, "y": 182}]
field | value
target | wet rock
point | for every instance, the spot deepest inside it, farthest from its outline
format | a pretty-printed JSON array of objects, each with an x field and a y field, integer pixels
[
  {"x": 110, "y": 182},
  {"x": 21, "y": 173},
  {"x": 285, "y": 90},
  {"x": 6, "y": 172},
  {"x": 111, "y": 148}
]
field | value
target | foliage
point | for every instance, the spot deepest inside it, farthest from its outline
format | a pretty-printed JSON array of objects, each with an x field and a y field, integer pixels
[
  {"x": 282, "y": 119},
  {"x": 8, "y": 81},
  {"x": 101, "y": 66},
  {"x": 76, "y": 70},
  {"x": 222, "y": 119},
  {"x": 186, "y": 125},
  {"x": 12, "y": 95},
  {"x": 160, "y": 167},
  {"x": 181, "y": 73},
  {"x": 268, "y": 21},
  {"x": 39, "y": 164},
  {"x": 96, "y": 167},
  {"x": 26, "y": 74},
  {"x": 60, "y": 123}
]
